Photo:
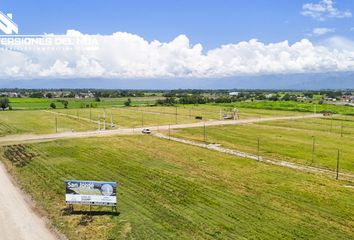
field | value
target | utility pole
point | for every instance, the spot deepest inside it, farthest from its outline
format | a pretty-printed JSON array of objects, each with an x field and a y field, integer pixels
[
  {"x": 56, "y": 124},
  {"x": 313, "y": 148},
  {"x": 205, "y": 136},
  {"x": 337, "y": 170},
  {"x": 331, "y": 122},
  {"x": 99, "y": 123},
  {"x": 258, "y": 149},
  {"x": 142, "y": 119},
  {"x": 104, "y": 119},
  {"x": 176, "y": 115}
]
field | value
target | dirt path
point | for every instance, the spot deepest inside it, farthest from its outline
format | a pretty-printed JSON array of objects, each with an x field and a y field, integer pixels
[
  {"x": 17, "y": 220},
  {"x": 300, "y": 167},
  {"x": 15, "y": 139}
]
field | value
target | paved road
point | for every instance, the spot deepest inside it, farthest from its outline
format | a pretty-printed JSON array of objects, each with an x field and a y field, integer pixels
[
  {"x": 15, "y": 139},
  {"x": 17, "y": 220}
]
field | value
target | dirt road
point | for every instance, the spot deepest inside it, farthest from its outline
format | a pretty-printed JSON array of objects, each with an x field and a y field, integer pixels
[
  {"x": 15, "y": 139},
  {"x": 17, "y": 220}
]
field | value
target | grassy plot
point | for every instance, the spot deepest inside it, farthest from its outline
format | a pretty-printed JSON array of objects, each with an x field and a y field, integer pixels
[
  {"x": 128, "y": 116},
  {"x": 84, "y": 119},
  {"x": 217, "y": 111},
  {"x": 39, "y": 122},
  {"x": 182, "y": 192},
  {"x": 306, "y": 141},
  {"x": 295, "y": 106}
]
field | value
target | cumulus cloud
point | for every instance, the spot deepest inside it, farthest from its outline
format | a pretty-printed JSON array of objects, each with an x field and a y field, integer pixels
[
  {"x": 125, "y": 55},
  {"x": 323, "y": 10},
  {"x": 322, "y": 31},
  {"x": 339, "y": 43}
]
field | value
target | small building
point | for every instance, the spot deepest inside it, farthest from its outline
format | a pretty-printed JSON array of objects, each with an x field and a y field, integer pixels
[{"x": 234, "y": 94}]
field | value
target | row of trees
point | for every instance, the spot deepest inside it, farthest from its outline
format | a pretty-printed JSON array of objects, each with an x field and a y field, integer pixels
[{"x": 200, "y": 99}]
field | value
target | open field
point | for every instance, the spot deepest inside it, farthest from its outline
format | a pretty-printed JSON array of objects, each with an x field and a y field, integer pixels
[
  {"x": 312, "y": 142},
  {"x": 85, "y": 119},
  {"x": 180, "y": 191},
  {"x": 39, "y": 122},
  {"x": 43, "y": 103},
  {"x": 213, "y": 111},
  {"x": 294, "y": 106}
]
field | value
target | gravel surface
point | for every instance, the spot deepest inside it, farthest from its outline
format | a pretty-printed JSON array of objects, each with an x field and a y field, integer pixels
[{"x": 18, "y": 221}]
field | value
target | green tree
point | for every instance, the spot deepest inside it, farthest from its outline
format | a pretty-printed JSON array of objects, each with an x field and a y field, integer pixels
[
  {"x": 128, "y": 103},
  {"x": 4, "y": 103},
  {"x": 65, "y": 103},
  {"x": 52, "y": 105}
]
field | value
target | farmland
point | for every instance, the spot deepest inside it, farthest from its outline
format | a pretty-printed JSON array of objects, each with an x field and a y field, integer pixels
[
  {"x": 39, "y": 122},
  {"x": 170, "y": 190},
  {"x": 85, "y": 119},
  {"x": 313, "y": 142},
  {"x": 296, "y": 106},
  {"x": 44, "y": 103},
  {"x": 181, "y": 191}
]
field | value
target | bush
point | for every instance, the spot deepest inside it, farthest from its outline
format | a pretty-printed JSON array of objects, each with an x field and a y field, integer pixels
[
  {"x": 52, "y": 105},
  {"x": 4, "y": 103},
  {"x": 128, "y": 103}
]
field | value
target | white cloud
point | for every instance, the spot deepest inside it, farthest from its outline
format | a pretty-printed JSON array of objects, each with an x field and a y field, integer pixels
[
  {"x": 339, "y": 43},
  {"x": 322, "y": 31},
  {"x": 323, "y": 10},
  {"x": 125, "y": 55}
]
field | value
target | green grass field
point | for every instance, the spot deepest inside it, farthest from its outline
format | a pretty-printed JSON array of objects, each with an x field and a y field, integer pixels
[
  {"x": 294, "y": 106},
  {"x": 39, "y": 122},
  {"x": 290, "y": 140},
  {"x": 182, "y": 192},
  {"x": 44, "y": 103},
  {"x": 43, "y": 121}
]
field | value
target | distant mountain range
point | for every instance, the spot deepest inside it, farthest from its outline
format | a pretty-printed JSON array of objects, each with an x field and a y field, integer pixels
[{"x": 314, "y": 81}]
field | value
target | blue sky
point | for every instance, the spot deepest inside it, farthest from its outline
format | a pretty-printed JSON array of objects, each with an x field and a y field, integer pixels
[
  {"x": 210, "y": 22},
  {"x": 181, "y": 39}
]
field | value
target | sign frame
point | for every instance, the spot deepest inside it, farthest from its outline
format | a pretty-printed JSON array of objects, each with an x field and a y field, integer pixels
[{"x": 93, "y": 193}]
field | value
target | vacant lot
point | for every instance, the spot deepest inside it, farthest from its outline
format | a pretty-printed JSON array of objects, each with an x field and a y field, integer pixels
[
  {"x": 310, "y": 141},
  {"x": 84, "y": 119},
  {"x": 39, "y": 122},
  {"x": 295, "y": 106},
  {"x": 181, "y": 192}
]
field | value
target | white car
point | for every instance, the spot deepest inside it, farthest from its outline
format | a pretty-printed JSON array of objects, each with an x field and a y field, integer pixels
[{"x": 146, "y": 131}]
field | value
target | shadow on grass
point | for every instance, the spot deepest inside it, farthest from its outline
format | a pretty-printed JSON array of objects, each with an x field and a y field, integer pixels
[
  {"x": 70, "y": 211},
  {"x": 95, "y": 213}
]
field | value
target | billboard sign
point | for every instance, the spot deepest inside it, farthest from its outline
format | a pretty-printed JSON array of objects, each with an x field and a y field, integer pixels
[{"x": 91, "y": 193}]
